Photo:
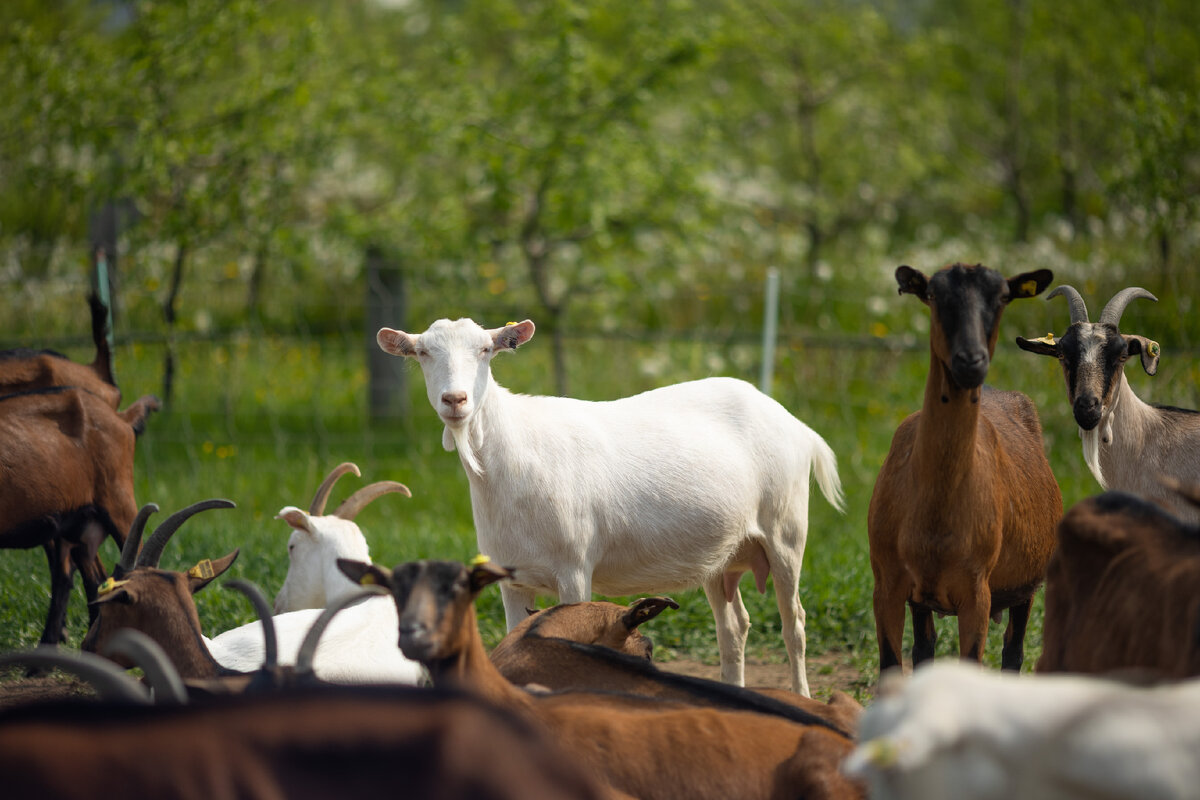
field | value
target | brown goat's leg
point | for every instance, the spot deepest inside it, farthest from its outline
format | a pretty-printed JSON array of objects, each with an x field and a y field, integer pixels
[
  {"x": 889, "y": 626},
  {"x": 973, "y": 617},
  {"x": 1013, "y": 654},
  {"x": 62, "y": 578},
  {"x": 924, "y": 634}
]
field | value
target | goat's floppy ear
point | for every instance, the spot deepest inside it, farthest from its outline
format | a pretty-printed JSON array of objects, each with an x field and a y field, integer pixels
[
  {"x": 365, "y": 574},
  {"x": 398, "y": 343},
  {"x": 646, "y": 609},
  {"x": 512, "y": 335},
  {"x": 912, "y": 281},
  {"x": 1148, "y": 349},
  {"x": 206, "y": 571},
  {"x": 485, "y": 573},
  {"x": 1029, "y": 284},
  {"x": 112, "y": 591},
  {"x": 1043, "y": 346}
]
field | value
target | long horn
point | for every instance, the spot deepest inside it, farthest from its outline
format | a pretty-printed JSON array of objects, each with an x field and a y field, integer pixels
[
  {"x": 318, "y": 504},
  {"x": 110, "y": 681},
  {"x": 308, "y": 647},
  {"x": 152, "y": 551},
  {"x": 1078, "y": 309},
  {"x": 263, "y": 609},
  {"x": 1116, "y": 307},
  {"x": 130, "y": 551},
  {"x": 145, "y": 652},
  {"x": 355, "y": 503}
]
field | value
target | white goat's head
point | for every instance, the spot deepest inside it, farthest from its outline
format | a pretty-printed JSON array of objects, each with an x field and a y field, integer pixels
[
  {"x": 319, "y": 540},
  {"x": 456, "y": 358}
]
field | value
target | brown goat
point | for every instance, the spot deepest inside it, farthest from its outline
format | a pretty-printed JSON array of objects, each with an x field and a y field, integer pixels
[
  {"x": 66, "y": 483},
  {"x": 643, "y": 747},
  {"x": 1121, "y": 589},
  {"x": 596, "y": 646},
  {"x": 962, "y": 517},
  {"x": 314, "y": 743}
]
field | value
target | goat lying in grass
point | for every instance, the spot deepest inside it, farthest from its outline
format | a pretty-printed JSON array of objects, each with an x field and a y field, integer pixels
[
  {"x": 639, "y": 746},
  {"x": 687, "y": 485},
  {"x": 160, "y": 604},
  {"x": 1121, "y": 588},
  {"x": 302, "y": 743},
  {"x": 1127, "y": 443},
  {"x": 596, "y": 646},
  {"x": 956, "y": 732},
  {"x": 962, "y": 517}
]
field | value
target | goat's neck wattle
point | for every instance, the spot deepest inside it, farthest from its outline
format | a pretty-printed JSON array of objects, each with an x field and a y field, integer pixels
[
  {"x": 469, "y": 667},
  {"x": 486, "y": 431},
  {"x": 1116, "y": 443},
  {"x": 947, "y": 429}
]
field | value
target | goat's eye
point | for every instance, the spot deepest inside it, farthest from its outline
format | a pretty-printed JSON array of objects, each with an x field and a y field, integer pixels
[
  {"x": 485, "y": 351},
  {"x": 422, "y": 352}
]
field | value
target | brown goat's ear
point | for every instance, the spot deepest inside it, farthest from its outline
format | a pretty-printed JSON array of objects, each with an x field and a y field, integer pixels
[
  {"x": 912, "y": 281},
  {"x": 112, "y": 595},
  {"x": 1029, "y": 284},
  {"x": 206, "y": 571},
  {"x": 1045, "y": 346},
  {"x": 398, "y": 343},
  {"x": 486, "y": 573},
  {"x": 1148, "y": 349},
  {"x": 645, "y": 610},
  {"x": 365, "y": 574}
]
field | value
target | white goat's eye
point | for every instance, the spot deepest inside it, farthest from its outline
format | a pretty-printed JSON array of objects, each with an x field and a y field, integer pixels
[
  {"x": 484, "y": 351},
  {"x": 422, "y": 352}
]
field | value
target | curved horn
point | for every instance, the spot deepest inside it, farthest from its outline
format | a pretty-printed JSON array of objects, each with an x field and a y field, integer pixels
[
  {"x": 130, "y": 551},
  {"x": 1116, "y": 307},
  {"x": 1078, "y": 309},
  {"x": 308, "y": 647},
  {"x": 318, "y": 504},
  {"x": 263, "y": 609},
  {"x": 153, "y": 549},
  {"x": 355, "y": 503},
  {"x": 145, "y": 652},
  {"x": 110, "y": 681}
]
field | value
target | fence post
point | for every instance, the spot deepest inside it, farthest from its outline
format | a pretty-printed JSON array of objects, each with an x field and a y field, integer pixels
[
  {"x": 770, "y": 326},
  {"x": 387, "y": 306}
]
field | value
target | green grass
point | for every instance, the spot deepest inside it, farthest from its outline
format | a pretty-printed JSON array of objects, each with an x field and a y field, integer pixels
[{"x": 261, "y": 419}]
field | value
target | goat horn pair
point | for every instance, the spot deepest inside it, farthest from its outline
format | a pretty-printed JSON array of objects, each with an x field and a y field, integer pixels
[
  {"x": 133, "y": 541},
  {"x": 308, "y": 647},
  {"x": 152, "y": 551},
  {"x": 355, "y": 503},
  {"x": 109, "y": 680},
  {"x": 317, "y": 507},
  {"x": 1112, "y": 310}
]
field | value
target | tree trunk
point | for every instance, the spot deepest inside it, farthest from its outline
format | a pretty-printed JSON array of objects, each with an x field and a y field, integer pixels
[
  {"x": 181, "y": 252},
  {"x": 387, "y": 306}
]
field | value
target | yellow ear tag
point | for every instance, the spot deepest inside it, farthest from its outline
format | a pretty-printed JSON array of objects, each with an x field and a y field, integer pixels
[
  {"x": 367, "y": 580},
  {"x": 1047, "y": 339},
  {"x": 109, "y": 586},
  {"x": 202, "y": 570},
  {"x": 479, "y": 559},
  {"x": 1029, "y": 288},
  {"x": 507, "y": 324},
  {"x": 1155, "y": 349}
]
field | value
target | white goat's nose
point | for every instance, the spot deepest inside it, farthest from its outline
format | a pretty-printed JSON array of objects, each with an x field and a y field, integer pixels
[{"x": 454, "y": 399}]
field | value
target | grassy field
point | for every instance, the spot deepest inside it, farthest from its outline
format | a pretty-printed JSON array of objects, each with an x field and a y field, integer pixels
[{"x": 260, "y": 419}]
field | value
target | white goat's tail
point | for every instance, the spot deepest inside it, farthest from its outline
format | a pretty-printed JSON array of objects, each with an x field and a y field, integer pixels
[{"x": 825, "y": 468}]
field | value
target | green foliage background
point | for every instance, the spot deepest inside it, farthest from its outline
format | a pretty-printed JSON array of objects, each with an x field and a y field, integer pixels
[{"x": 624, "y": 174}]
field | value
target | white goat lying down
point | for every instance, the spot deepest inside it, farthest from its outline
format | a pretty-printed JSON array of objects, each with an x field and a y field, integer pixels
[
  {"x": 958, "y": 732},
  {"x": 688, "y": 485}
]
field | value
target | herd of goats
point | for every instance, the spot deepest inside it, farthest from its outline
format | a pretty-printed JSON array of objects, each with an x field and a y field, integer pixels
[{"x": 360, "y": 677}]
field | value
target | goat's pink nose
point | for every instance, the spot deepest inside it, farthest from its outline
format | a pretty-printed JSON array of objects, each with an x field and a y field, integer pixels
[{"x": 454, "y": 399}]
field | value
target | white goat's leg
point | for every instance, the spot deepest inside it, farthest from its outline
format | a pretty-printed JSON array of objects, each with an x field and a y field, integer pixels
[
  {"x": 575, "y": 585},
  {"x": 733, "y": 623},
  {"x": 518, "y": 601},
  {"x": 791, "y": 616}
]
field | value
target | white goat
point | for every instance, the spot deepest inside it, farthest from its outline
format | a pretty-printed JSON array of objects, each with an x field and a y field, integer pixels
[
  {"x": 687, "y": 485},
  {"x": 954, "y": 730},
  {"x": 1127, "y": 443}
]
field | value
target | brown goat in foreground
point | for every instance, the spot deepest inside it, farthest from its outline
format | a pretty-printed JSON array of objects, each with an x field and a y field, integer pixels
[
  {"x": 962, "y": 517},
  {"x": 1121, "y": 589},
  {"x": 596, "y": 646},
  {"x": 639, "y": 746}
]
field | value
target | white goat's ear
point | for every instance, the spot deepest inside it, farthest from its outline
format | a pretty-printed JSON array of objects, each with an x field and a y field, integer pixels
[
  {"x": 295, "y": 518},
  {"x": 512, "y": 335},
  {"x": 398, "y": 343}
]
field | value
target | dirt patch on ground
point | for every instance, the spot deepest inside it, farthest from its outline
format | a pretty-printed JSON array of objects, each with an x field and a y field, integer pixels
[
  {"x": 826, "y": 673},
  {"x": 15, "y": 689}
]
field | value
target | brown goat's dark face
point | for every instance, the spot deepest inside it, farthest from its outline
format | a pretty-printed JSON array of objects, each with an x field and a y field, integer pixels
[{"x": 965, "y": 304}]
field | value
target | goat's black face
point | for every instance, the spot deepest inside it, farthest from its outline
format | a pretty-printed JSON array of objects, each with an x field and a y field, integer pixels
[
  {"x": 1092, "y": 355},
  {"x": 428, "y": 594},
  {"x": 967, "y": 303}
]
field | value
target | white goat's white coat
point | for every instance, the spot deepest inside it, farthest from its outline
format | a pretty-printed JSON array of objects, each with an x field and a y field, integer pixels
[
  {"x": 956, "y": 731},
  {"x": 662, "y": 491}
]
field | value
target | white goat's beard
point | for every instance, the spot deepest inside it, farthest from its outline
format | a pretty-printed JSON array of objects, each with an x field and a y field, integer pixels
[
  {"x": 1091, "y": 452},
  {"x": 459, "y": 438}
]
